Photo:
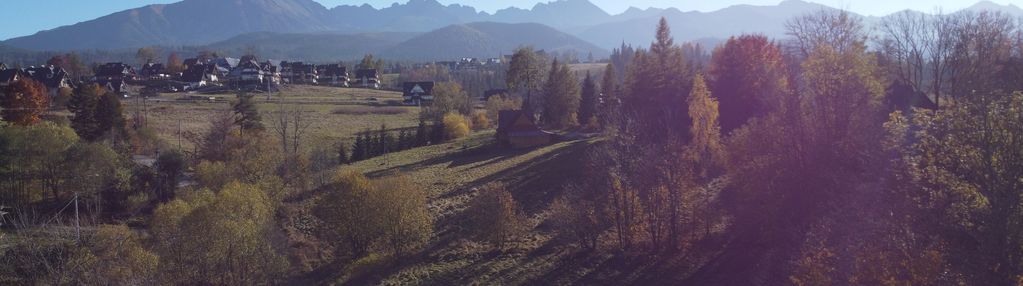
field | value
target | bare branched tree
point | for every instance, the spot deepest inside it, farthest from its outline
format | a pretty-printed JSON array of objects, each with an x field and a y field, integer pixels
[
  {"x": 836, "y": 28},
  {"x": 290, "y": 123}
]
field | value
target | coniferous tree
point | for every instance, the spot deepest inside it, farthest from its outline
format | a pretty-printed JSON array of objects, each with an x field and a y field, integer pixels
[
  {"x": 358, "y": 149},
  {"x": 609, "y": 99},
  {"x": 96, "y": 112},
  {"x": 561, "y": 97},
  {"x": 385, "y": 140},
  {"x": 403, "y": 140},
  {"x": 342, "y": 154},
  {"x": 110, "y": 114},
  {"x": 247, "y": 113},
  {"x": 588, "y": 100},
  {"x": 422, "y": 134}
]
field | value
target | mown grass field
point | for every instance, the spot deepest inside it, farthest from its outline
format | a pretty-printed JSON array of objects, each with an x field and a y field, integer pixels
[{"x": 169, "y": 116}]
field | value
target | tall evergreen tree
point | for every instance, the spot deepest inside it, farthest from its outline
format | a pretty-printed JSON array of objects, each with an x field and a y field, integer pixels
[
  {"x": 422, "y": 134},
  {"x": 656, "y": 85},
  {"x": 609, "y": 100},
  {"x": 342, "y": 154},
  {"x": 110, "y": 114},
  {"x": 588, "y": 101},
  {"x": 83, "y": 105},
  {"x": 561, "y": 97},
  {"x": 247, "y": 113}
]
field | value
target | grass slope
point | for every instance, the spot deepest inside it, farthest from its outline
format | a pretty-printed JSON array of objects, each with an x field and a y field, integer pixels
[{"x": 452, "y": 173}]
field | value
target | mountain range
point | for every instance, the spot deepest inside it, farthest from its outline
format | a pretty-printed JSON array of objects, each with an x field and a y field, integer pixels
[{"x": 569, "y": 24}]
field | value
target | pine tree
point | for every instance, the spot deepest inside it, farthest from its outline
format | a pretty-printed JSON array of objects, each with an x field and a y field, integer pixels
[
  {"x": 608, "y": 97},
  {"x": 358, "y": 149},
  {"x": 561, "y": 100},
  {"x": 342, "y": 154},
  {"x": 422, "y": 134},
  {"x": 110, "y": 114},
  {"x": 588, "y": 101},
  {"x": 403, "y": 140},
  {"x": 385, "y": 141},
  {"x": 83, "y": 105},
  {"x": 247, "y": 113}
]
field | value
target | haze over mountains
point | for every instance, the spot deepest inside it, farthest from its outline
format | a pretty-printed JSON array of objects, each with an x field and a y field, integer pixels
[{"x": 574, "y": 23}]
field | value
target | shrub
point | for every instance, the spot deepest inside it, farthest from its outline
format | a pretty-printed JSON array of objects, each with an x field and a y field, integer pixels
[
  {"x": 406, "y": 221},
  {"x": 496, "y": 217},
  {"x": 455, "y": 126},
  {"x": 480, "y": 121}
]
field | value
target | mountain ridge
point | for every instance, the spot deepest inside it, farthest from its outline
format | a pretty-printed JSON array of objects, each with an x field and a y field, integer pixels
[{"x": 200, "y": 22}]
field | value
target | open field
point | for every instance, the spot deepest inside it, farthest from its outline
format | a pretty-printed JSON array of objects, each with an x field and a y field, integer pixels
[{"x": 168, "y": 115}]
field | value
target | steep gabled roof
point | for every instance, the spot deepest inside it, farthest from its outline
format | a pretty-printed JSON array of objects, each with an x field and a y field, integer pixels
[
  {"x": 10, "y": 75},
  {"x": 50, "y": 76},
  {"x": 424, "y": 88}
]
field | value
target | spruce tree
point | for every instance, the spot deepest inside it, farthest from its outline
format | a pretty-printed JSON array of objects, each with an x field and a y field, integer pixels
[
  {"x": 342, "y": 154},
  {"x": 422, "y": 135},
  {"x": 588, "y": 100},
  {"x": 247, "y": 113},
  {"x": 608, "y": 97}
]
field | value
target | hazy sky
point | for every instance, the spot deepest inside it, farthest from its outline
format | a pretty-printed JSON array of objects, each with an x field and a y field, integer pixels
[{"x": 25, "y": 17}]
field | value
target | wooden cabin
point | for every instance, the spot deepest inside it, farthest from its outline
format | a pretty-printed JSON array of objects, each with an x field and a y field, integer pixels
[{"x": 517, "y": 129}]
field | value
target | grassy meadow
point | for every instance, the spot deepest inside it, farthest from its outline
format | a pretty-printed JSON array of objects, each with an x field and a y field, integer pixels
[{"x": 336, "y": 113}]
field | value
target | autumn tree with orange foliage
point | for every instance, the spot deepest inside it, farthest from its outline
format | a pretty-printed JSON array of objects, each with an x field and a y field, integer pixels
[
  {"x": 746, "y": 74},
  {"x": 23, "y": 102}
]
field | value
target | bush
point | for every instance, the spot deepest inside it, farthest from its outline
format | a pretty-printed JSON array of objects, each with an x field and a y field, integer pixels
[
  {"x": 495, "y": 216},
  {"x": 480, "y": 121},
  {"x": 577, "y": 218},
  {"x": 360, "y": 213},
  {"x": 455, "y": 126}
]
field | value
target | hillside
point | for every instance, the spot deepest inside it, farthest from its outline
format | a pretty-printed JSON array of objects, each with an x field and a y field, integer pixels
[
  {"x": 487, "y": 40},
  {"x": 189, "y": 22},
  {"x": 200, "y": 22},
  {"x": 320, "y": 47}
]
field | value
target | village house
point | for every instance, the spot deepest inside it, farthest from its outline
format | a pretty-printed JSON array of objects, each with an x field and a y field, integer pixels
[
  {"x": 418, "y": 93},
  {"x": 367, "y": 78},
  {"x": 333, "y": 75},
  {"x": 517, "y": 129},
  {"x": 114, "y": 76},
  {"x": 54, "y": 78},
  {"x": 272, "y": 72},
  {"x": 8, "y": 76},
  {"x": 199, "y": 75},
  {"x": 298, "y": 73},
  {"x": 153, "y": 71},
  {"x": 250, "y": 74}
]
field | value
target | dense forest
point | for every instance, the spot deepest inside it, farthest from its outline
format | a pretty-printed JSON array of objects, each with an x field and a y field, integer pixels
[{"x": 835, "y": 156}]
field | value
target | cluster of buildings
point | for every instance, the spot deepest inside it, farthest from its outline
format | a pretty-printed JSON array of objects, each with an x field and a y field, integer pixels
[
  {"x": 250, "y": 73},
  {"x": 54, "y": 78},
  {"x": 469, "y": 63}
]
